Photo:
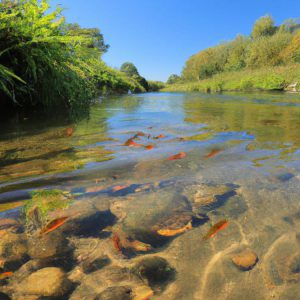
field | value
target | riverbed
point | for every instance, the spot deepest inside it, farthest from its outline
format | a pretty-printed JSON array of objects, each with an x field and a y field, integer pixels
[{"x": 166, "y": 196}]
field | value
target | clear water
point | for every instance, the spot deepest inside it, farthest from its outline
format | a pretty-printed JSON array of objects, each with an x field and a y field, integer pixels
[{"x": 247, "y": 142}]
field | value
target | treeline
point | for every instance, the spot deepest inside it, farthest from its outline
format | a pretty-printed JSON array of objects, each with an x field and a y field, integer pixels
[
  {"x": 268, "y": 46},
  {"x": 46, "y": 62}
]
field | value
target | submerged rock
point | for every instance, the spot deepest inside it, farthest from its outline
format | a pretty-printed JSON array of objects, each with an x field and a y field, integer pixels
[
  {"x": 153, "y": 218},
  {"x": 99, "y": 283},
  {"x": 245, "y": 260},
  {"x": 47, "y": 282},
  {"x": 13, "y": 249},
  {"x": 283, "y": 262},
  {"x": 90, "y": 254},
  {"x": 207, "y": 197},
  {"x": 84, "y": 219},
  {"x": 116, "y": 293},
  {"x": 49, "y": 246},
  {"x": 156, "y": 271}
]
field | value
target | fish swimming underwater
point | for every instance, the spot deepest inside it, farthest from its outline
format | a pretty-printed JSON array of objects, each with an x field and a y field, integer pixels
[
  {"x": 53, "y": 225},
  {"x": 5, "y": 275},
  {"x": 213, "y": 153},
  {"x": 177, "y": 156},
  {"x": 216, "y": 228}
]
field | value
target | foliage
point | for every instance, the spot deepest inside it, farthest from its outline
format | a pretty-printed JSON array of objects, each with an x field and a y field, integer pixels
[
  {"x": 37, "y": 209},
  {"x": 132, "y": 72},
  {"x": 155, "y": 86},
  {"x": 268, "y": 78},
  {"x": 264, "y": 26},
  {"x": 292, "y": 52},
  {"x": 47, "y": 63},
  {"x": 236, "y": 59},
  {"x": 267, "y": 46},
  {"x": 173, "y": 79},
  {"x": 265, "y": 51}
]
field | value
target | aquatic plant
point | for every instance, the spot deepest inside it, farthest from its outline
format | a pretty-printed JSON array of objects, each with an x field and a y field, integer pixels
[{"x": 37, "y": 209}]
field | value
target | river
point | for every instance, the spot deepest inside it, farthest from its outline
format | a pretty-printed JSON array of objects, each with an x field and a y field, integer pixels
[{"x": 161, "y": 169}]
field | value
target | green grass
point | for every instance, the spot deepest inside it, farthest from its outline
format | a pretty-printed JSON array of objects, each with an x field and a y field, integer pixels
[{"x": 266, "y": 79}]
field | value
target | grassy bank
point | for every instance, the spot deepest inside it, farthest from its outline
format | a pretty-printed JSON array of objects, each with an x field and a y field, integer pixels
[
  {"x": 48, "y": 64},
  {"x": 266, "y": 79}
]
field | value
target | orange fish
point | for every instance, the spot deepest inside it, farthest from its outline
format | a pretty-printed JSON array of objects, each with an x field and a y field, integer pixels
[
  {"x": 217, "y": 227},
  {"x": 149, "y": 147},
  {"x": 161, "y": 136},
  {"x": 119, "y": 188},
  {"x": 177, "y": 156},
  {"x": 117, "y": 242},
  {"x": 213, "y": 153},
  {"x": 140, "y": 133},
  {"x": 131, "y": 143},
  {"x": 53, "y": 225},
  {"x": 5, "y": 275},
  {"x": 69, "y": 131}
]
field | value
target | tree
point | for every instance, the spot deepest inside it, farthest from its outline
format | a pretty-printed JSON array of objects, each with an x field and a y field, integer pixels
[
  {"x": 264, "y": 26},
  {"x": 237, "y": 54},
  {"x": 173, "y": 79},
  {"x": 291, "y": 53},
  {"x": 130, "y": 69}
]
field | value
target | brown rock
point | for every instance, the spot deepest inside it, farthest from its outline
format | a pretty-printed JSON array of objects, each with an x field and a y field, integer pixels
[
  {"x": 245, "y": 260},
  {"x": 116, "y": 293},
  {"x": 48, "y": 282},
  {"x": 13, "y": 248},
  {"x": 48, "y": 246}
]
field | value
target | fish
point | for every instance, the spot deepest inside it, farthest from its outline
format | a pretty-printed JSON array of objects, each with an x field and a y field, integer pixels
[
  {"x": 173, "y": 232},
  {"x": 160, "y": 136},
  {"x": 52, "y": 225},
  {"x": 149, "y": 147},
  {"x": 131, "y": 143},
  {"x": 69, "y": 131},
  {"x": 5, "y": 275},
  {"x": 119, "y": 188},
  {"x": 124, "y": 243},
  {"x": 215, "y": 228},
  {"x": 117, "y": 242},
  {"x": 177, "y": 156},
  {"x": 213, "y": 153},
  {"x": 140, "y": 133}
]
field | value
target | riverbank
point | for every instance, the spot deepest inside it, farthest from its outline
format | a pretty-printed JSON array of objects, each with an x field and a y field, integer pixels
[{"x": 264, "y": 79}]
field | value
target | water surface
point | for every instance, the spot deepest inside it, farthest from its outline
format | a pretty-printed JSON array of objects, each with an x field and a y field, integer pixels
[{"x": 241, "y": 165}]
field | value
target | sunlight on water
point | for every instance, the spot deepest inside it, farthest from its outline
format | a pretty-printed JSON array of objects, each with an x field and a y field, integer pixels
[{"x": 163, "y": 196}]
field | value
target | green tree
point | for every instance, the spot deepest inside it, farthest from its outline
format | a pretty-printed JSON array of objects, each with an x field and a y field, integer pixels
[
  {"x": 266, "y": 51},
  {"x": 237, "y": 54},
  {"x": 131, "y": 71},
  {"x": 174, "y": 78},
  {"x": 264, "y": 26}
]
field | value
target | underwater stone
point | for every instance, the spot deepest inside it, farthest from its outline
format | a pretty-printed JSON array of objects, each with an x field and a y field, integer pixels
[
  {"x": 49, "y": 282},
  {"x": 116, "y": 293},
  {"x": 245, "y": 260},
  {"x": 156, "y": 271},
  {"x": 49, "y": 246},
  {"x": 13, "y": 249}
]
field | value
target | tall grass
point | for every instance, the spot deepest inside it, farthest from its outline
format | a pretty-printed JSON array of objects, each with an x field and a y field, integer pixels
[
  {"x": 46, "y": 63},
  {"x": 270, "y": 78}
]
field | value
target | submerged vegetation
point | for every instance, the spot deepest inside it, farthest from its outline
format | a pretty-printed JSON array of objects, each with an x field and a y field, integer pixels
[
  {"x": 268, "y": 59},
  {"x": 46, "y": 63}
]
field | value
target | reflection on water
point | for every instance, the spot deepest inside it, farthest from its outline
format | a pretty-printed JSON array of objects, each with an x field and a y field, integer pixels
[{"x": 163, "y": 196}]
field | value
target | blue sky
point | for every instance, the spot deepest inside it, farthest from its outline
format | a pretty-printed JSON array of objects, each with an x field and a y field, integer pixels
[{"x": 159, "y": 35}]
